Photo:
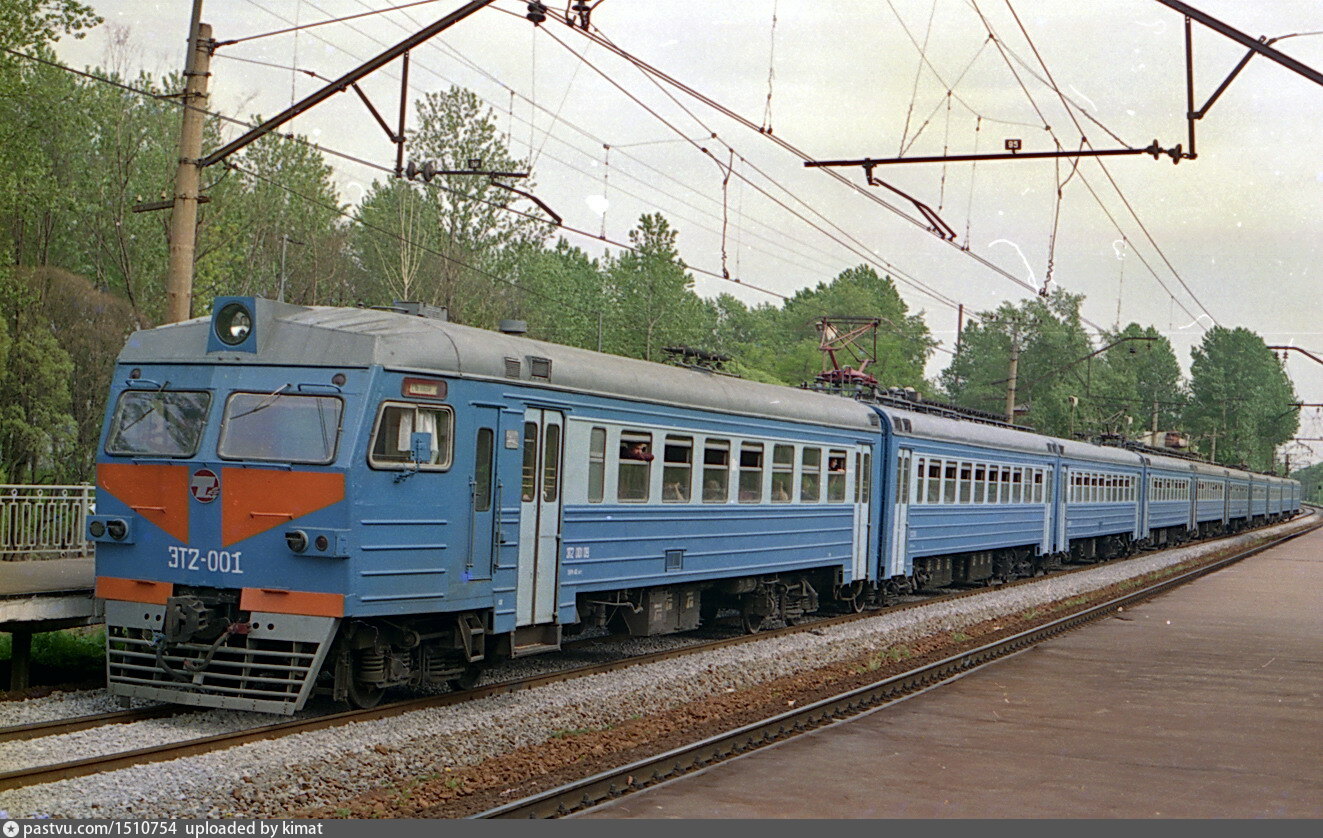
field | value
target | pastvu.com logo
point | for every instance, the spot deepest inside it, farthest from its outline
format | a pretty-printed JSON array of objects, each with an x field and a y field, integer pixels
[{"x": 10, "y": 829}]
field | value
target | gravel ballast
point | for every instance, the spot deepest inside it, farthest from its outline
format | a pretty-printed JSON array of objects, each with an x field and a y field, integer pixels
[{"x": 325, "y": 768}]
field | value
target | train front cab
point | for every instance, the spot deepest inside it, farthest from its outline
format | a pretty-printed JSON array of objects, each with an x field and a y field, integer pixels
[{"x": 204, "y": 472}]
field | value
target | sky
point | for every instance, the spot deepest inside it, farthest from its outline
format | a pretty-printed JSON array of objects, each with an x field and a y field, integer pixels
[{"x": 1237, "y": 231}]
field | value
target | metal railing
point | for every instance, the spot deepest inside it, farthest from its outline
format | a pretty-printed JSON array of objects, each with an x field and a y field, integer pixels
[{"x": 45, "y": 522}]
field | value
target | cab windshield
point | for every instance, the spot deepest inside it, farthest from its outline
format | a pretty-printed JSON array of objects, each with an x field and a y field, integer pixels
[
  {"x": 157, "y": 423},
  {"x": 278, "y": 427}
]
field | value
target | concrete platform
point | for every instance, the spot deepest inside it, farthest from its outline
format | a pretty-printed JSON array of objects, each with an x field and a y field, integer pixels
[
  {"x": 1205, "y": 702},
  {"x": 44, "y": 595}
]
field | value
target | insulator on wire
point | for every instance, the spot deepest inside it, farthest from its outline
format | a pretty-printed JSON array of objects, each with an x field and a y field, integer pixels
[{"x": 537, "y": 13}]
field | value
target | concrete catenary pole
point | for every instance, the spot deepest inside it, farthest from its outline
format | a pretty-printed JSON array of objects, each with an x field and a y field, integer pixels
[
  {"x": 184, "y": 215},
  {"x": 1011, "y": 380}
]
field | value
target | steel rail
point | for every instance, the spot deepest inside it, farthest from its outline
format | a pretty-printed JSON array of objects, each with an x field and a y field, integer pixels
[
  {"x": 613, "y": 783},
  {"x": 192, "y": 747},
  {"x": 56, "y": 727}
]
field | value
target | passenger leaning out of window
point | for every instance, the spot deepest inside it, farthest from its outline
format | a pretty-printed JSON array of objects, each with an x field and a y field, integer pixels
[{"x": 636, "y": 451}]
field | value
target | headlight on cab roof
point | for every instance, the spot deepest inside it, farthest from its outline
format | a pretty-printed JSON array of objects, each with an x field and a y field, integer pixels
[{"x": 234, "y": 323}]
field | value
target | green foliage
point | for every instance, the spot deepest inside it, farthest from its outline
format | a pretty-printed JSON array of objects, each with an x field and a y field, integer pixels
[
  {"x": 91, "y": 327},
  {"x": 72, "y": 649},
  {"x": 1240, "y": 399},
  {"x": 1311, "y": 482},
  {"x": 25, "y": 24},
  {"x": 1050, "y": 384},
  {"x": 1136, "y": 383},
  {"x": 903, "y": 341},
  {"x": 651, "y": 303},
  {"x": 563, "y": 294},
  {"x": 279, "y": 210},
  {"x": 442, "y": 243},
  {"x": 36, "y": 428}
]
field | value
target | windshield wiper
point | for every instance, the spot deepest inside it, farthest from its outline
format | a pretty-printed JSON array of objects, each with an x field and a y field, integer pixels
[
  {"x": 151, "y": 408},
  {"x": 262, "y": 405}
]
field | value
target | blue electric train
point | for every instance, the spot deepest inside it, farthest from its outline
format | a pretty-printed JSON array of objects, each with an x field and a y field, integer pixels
[{"x": 295, "y": 500}]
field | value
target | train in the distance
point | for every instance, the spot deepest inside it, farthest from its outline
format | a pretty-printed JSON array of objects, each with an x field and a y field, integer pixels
[{"x": 296, "y": 501}]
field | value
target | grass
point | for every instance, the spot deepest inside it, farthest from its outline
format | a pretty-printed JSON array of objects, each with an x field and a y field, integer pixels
[
  {"x": 69, "y": 649},
  {"x": 889, "y": 655}
]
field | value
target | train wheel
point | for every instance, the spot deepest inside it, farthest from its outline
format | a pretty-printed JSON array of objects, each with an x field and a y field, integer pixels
[
  {"x": 753, "y": 623},
  {"x": 469, "y": 679},
  {"x": 364, "y": 696},
  {"x": 855, "y": 597}
]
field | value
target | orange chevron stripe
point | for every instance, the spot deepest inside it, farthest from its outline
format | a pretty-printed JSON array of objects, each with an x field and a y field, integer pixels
[
  {"x": 254, "y": 500},
  {"x": 157, "y": 493}
]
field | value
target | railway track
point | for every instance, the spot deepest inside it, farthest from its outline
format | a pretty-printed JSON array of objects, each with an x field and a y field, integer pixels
[
  {"x": 56, "y": 727},
  {"x": 193, "y": 747},
  {"x": 587, "y": 792}
]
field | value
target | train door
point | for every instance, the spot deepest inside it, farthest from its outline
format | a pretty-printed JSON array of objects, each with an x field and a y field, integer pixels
[
  {"x": 862, "y": 522},
  {"x": 1194, "y": 501},
  {"x": 1059, "y": 499},
  {"x": 484, "y": 494},
  {"x": 1043, "y": 483},
  {"x": 900, "y": 536},
  {"x": 1141, "y": 497},
  {"x": 539, "y": 518}
]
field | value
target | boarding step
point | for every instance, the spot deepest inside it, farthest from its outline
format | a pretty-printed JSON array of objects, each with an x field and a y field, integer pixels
[
  {"x": 533, "y": 640},
  {"x": 471, "y": 635}
]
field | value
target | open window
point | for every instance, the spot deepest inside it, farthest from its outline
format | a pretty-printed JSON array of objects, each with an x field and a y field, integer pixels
[
  {"x": 392, "y": 439},
  {"x": 835, "y": 477},
  {"x": 634, "y": 473}
]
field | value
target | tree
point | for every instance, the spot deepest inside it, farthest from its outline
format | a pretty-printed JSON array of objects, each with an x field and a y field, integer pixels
[
  {"x": 652, "y": 301},
  {"x": 1050, "y": 380},
  {"x": 1240, "y": 399},
  {"x": 562, "y": 294},
  {"x": 25, "y": 24},
  {"x": 279, "y": 211},
  {"x": 1137, "y": 383},
  {"x": 91, "y": 327},
  {"x": 1311, "y": 482},
  {"x": 903, "y": 340},
  {"x": 449, "y": 242},
  {"x": 35, "y": 425}
]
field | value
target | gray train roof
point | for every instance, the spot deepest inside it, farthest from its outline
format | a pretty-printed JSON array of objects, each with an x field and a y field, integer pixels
[
  {"x": 947, "y": 429},
  {"x": 347, "y": 337}
]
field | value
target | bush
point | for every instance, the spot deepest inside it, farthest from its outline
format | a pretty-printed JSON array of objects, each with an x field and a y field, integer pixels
[{"x": 72, "y": 649}]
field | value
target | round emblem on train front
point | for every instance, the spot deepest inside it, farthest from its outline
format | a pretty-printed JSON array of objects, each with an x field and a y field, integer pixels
[{"x": 205, "y": 485}]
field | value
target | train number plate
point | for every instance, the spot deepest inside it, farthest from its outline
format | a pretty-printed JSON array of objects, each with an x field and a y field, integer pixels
[{"x": 214, "y": 561}]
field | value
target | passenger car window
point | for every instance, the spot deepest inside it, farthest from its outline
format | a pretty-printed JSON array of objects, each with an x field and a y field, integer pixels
[
  {"x": 783, "y": 473},
  {"x": 677, "y": 469},
  {"x": 716, "y": 471},
  {"x": 596, "y": 465},
  {"x": 751, "y": 472},
  {"x": 810, "y": 478},
  {"x": 634, "y": 472},
  {"x": 836, "y": 476}
]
